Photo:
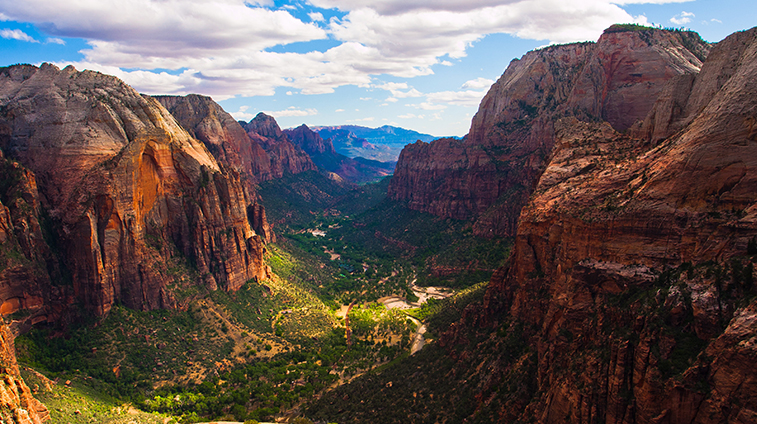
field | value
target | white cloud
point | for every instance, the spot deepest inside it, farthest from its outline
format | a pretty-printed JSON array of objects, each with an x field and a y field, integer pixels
[
  {"x": 431, "y": 106},
  {"x": 468, "y": 98},
  {"x": 478, "y": 84},
  {"x": 339, "y": 110},
  {"x": 220, "y": 46},
  {"x": 242, "y": 114},
  {"x": 716, "y": 21},
  {"x": 17, "y": 34},
  {"x": 293, "y": 111},
  {"x": 368, "y": 119},
  {"x": 410, "y": 116},
  {"x": 399, "y": 90},
  {"x": 54, "y": 40},
  {"x": 682, "y": 18}
]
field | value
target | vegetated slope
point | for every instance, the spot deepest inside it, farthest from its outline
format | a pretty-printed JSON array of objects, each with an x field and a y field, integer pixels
[
  {"x": 364, "y": 223},
  {"x": 294, "y": 200},
  {"x": 128, "y": 193},
  {"x": 630, "y": 295},
  {"x": 489, "y": 176}
]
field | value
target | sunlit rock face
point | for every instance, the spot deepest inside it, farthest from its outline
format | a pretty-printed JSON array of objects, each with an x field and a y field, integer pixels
[
  {"x": 17, "y": 405},
  {"x": 490, "y": 175},
  {"x": 126, "y": 188}
]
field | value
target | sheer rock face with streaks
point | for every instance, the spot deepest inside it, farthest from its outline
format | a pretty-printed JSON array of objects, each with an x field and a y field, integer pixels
[
  {"x": 490, "y": 175},
  {"x": 126, "y": 188},
  {"x": 224, "y": 137},
  {"x": 632, "y": 274}
]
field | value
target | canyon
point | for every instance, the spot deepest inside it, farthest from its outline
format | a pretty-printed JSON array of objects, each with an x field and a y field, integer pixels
[
  {"x": 624, "y": 170},
  {"x": 629, "y": 294}
]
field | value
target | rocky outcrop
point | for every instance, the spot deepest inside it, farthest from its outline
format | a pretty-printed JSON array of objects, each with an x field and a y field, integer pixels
[
  {"x": 128, "y": 191},
  {"x": 310, "y": 141},
  {"x": 490, "y": 175},
  {"x": 229, "y": 143},
  {"x": 17, "y": 405},
  {"x": 632, "y": 275},
  {"x": 285, "y": 157}
]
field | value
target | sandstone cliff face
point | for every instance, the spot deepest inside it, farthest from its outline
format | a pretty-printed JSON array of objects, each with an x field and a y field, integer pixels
[
  {"x": 229, "y": 143},
  {"x": 490, "y": 175},
  {"x": 130, "y": 189},
  {"x": 632, "y": 275}
]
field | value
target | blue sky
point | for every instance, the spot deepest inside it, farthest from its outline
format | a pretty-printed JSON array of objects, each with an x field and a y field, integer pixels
[{"x": 418, "y": 64}]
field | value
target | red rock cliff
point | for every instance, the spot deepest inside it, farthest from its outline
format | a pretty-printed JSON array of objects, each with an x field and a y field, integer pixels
[
  {"x": 229, "y": 143},
  {"x": 490, "y": 175},
  {"x": 205, "y": 120},
  {"x": 632, "y": 276},
  {"x": 285, "y": 157},
  {"x": 130, "y": 189}
]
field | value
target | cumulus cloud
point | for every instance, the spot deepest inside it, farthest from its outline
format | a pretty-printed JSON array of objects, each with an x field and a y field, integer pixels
[
  {"x": 478, "y": 83},
  {"x": 682, "y": 18},
  {"x": 223, "y": 48},
  {"x": 54, "y": 40},
  {"x": 17, "y": 34}
]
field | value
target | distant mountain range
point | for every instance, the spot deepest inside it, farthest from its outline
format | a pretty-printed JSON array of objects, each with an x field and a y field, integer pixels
[{"x": 382, "y": 143}]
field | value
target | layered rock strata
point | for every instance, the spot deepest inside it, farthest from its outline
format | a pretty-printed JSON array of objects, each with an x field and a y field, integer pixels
[{"x": 490, "y": 175}]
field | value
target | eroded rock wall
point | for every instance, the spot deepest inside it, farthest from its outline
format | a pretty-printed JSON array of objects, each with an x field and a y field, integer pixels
[
  {"x": 632, "y": 275},
  {"x": 489, "y": 176}
]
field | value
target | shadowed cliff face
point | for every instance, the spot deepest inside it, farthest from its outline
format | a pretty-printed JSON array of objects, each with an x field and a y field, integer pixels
[
  {"x": 489, "y": 176},
  {"x": 632, "y": 274},
  {"x": 128, "y": 188}
]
